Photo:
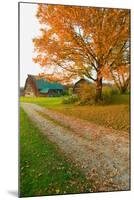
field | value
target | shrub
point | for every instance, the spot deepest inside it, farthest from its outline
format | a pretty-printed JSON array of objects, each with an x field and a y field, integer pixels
[
  {"x": 106, "y": 95},
  {"x": 86, "y": 102},
  {"x": 114, "y": 91},
  {"x": 106, "y": 90},
  {"x": 70, "y": 91},
  {"x": 106, "y": 98},
  {"x": 87, "y": 92},
  {"x": 70, "y": 99}
]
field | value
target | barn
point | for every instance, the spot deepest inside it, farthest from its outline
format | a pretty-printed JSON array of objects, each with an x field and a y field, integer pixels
[
  {"x": 79, "y": 85},
  {"x": 36, "y": 86}
]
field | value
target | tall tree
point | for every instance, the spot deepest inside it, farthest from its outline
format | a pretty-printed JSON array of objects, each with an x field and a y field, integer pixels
[
  {"x": 82, "y": 41},
  {"x": 121, "y": 77},
  {"x": 120, "y": 69}
]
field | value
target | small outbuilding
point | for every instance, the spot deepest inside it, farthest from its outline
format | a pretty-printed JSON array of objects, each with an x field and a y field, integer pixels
[
  {"x": 81, "y": 84},
  {"x": 37, "y": 86}
]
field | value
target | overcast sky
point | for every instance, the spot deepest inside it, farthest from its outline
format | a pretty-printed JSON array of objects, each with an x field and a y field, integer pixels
[{"x": 29, "y": 28}]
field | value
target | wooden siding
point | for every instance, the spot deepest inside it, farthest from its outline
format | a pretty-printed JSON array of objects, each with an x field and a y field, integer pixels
[
  {"x": 78, "y": 86},
  {"x": 30, "y": 88}
]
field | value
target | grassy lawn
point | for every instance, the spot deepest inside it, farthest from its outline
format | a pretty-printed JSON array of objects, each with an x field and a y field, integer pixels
[
  {"x": 44, "y": 170},
  {"x": 116, "y": 115},
  {"x": 49, "y": 102}
]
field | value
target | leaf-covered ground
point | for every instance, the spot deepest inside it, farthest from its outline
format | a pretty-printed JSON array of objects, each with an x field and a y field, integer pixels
[
  {"x": 44, "y": 170},
  {"x": 112, "y": 116},
  {"x": 116, "y": 115}
]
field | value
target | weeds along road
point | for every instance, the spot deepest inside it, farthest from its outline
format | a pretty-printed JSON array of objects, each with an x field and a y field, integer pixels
[{"x": 101, "y": 153}]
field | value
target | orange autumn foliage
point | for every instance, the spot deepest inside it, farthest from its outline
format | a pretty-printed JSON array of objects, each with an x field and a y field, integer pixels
[
  {"x": 78, "y": 41},
  {"x": 121, "y": 77}
]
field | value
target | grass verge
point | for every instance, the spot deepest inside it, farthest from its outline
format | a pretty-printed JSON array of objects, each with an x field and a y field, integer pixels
[{"x": 44, "y": 170}]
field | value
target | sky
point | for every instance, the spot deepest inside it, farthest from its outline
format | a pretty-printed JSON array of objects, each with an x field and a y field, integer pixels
[{"x": 29, "y": 28}]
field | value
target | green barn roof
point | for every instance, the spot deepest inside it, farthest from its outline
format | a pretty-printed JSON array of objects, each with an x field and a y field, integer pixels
[{"x": 43, "y": 85}]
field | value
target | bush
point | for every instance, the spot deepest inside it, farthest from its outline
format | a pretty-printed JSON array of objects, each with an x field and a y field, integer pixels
[
  {"x": 106, "y": 98},
  {"x": 87, "y": 93},
  {"x": 86, "y": 102},
  {"x": 70, "y": 91},
  {"x": 70, "y": 99},
  {"x": 115, "y": 91},
  {"x": 106, "y": 95}
]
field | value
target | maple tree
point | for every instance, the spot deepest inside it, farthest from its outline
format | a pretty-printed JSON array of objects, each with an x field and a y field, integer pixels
[
  {"x": 78, "y": 41},
  {"x": 121, "y": 77}
]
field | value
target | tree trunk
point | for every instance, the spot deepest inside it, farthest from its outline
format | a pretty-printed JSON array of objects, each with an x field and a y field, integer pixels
[
  {"x": 124, "y": 87},
  {"x": 123, "y": 90},
  {"x": 98, "y": 96}
]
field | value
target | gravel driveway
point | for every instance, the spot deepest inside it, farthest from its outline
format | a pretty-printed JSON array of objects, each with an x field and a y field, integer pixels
[{"x": 101, "y": 153}]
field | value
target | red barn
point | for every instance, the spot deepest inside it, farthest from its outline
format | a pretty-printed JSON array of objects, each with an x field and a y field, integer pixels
[{"x": 36, "y": 86}]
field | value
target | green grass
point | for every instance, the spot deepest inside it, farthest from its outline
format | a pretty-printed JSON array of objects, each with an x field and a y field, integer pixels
[
  {"x": 120, "y": 99},
  {"x": 44, "y": 170},
  {"x": 57, "y": 101},
  {"x": 116, "y": 115},
  {"x": 48, "y": 102}
]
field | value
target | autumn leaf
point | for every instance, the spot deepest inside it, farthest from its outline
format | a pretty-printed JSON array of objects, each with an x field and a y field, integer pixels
[{"x": 78, "y": 42}]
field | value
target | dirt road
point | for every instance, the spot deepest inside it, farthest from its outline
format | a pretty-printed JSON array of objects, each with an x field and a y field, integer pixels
[{"x": 101, "y": 153}]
